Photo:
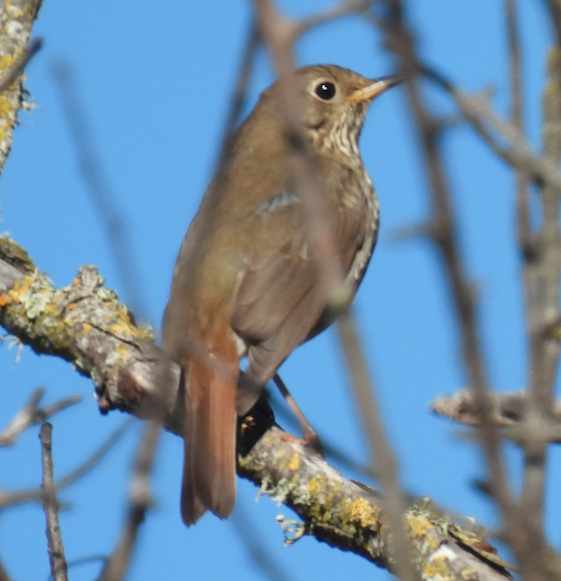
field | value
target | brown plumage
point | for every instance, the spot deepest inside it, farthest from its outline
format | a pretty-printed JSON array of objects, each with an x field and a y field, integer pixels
[{"x": 246, "y": 282}]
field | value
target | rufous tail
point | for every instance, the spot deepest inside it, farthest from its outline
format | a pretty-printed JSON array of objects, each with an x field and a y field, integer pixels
[{"x": 209, "y": 471}]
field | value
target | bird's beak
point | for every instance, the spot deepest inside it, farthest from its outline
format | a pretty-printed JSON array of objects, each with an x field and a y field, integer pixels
[{"x": 378, "y": 87}]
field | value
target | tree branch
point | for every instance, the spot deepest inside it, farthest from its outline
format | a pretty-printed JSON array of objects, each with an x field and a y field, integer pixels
[
  {"x": 50, "y": 505},
  {"x": 98, "y": 336},
  {"x": 31, "y": 415},
  {"x": 16, "y": 19}
]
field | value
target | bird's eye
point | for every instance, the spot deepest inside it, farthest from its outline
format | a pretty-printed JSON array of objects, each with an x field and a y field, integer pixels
[{"x": 326, "y": 91}]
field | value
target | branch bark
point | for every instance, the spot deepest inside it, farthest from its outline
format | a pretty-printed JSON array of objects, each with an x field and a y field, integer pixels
[{"x": 86, "y": 325}]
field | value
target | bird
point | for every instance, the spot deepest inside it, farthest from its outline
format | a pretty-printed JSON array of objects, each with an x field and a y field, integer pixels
[{"x": 246, "y": 281}]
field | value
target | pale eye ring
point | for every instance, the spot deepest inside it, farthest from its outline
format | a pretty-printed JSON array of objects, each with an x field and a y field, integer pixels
[{"x": 325, "y": 90}]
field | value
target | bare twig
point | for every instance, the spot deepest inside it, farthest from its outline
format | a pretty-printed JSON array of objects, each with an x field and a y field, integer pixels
[
  {"x": 86, "y": 560},
  {"x": 50, "y": 505},
  {"x": 443, "y": 231},
  {"x": 344, "y": 8},
  {"x": 99, "y": 188},
  {"x": 279, "y": 35},
  {"x": 555, "y": 11},
  {"x": 254, "y": 544},
  {"x": 513, "y": 148},
  {"x": 506, "y": 409},
  {"x": 90, "y": 463},
  {"x": 239, "y": 93},
  {"x": 8, "y": 499},
  {"x": 31, "y": 415},
  {"x": 139, "y": 503},
  {"x": 386, "y": 468},
  {"x": 536, "y": 424},
  {"x": 525, "y": 241},
  {"x": 3, "y": 573}
]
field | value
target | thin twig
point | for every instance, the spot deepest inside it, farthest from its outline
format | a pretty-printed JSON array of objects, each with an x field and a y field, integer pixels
[
  {"x": 86, "y": 560},
  {"x": 139, "y": 503},
  {"x": 331, "y": 450},
  {"x": 11, "y": 74},
  {"x": 254, "y": 544},
  {"x": 535, "y": 423},
  {"x": 344, "y": 8},
  {"x": 387, "y": 471},
  {"x": 8, "y": 499},
  {"x": 99, "y": 188},
  {"x": 513, "y": 148},
  {"x": 555, "y": 11},
  {"x": 239, "y": 93},
  {"x": 59, "y": 569},
  {"x": 443, "y": 231},
  {"x": 3, "y": 573},
  {"x": 31, "y": 415},
  {"x": 90, "y": 463},
  {"x": 279, "y": 35}
]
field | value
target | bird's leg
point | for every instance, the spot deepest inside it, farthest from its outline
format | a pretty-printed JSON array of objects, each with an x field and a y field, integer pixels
[{"x": 310, "y": 438}]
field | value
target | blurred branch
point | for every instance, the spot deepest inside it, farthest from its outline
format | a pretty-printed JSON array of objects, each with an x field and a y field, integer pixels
[
  {"x": 262, "y": 559},
  {"x": 31, "y": 415},
  {"x": 90, "y": 463},
  {"x": 443, "y": 231},
  {"x": 522, "y": 521},
  {"x": 344, "y": 8},
  {"x": 543, "y": 272},
  {"x": 536, "y": 430},
  {"x": 127, "y": 376},
  {"x": 507, "y": 409},
  {"x": 514, "y": 150},
  {"x": 279, "y": 35},
  {"x": 98, "y": 186},
  {"x": 8, "y": 499},
  {"x": 555, "y": 11},
  {"x": 16, "y": 20},
  {"x": 50, "y": 505},
  {"x": 239, "y": 93},
  {"x": 3, "y": 573},
  {"x": 140, "y": 501}
]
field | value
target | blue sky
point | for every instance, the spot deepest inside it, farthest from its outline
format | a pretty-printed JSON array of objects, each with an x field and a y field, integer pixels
[{"x": 156, "y": 85}]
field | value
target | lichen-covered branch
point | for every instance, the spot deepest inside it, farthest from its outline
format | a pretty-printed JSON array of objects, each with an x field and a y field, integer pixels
[
  {"x": 86, "y": 325},
  {"x": 350, "y": 516},
  {"x": 16, "y": 21}
]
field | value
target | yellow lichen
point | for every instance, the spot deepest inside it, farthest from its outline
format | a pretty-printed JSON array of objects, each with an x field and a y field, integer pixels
[
  {"x": 361, "y": 511},
  {"x": 6, "y": 106},
  {"x": 437, "y": 568},
  {"x": 19, "y": 288},
  {"x": 6, "y": 61},
  {"x": 294, "y": 463},
  {"x": 419, "y": 526}
]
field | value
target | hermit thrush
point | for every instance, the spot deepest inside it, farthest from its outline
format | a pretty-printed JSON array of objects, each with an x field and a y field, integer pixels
[{"x": 246, "y": 280}]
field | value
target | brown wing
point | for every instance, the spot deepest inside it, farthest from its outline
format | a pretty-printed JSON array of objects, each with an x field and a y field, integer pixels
[{"x": 280, "y": 297}]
